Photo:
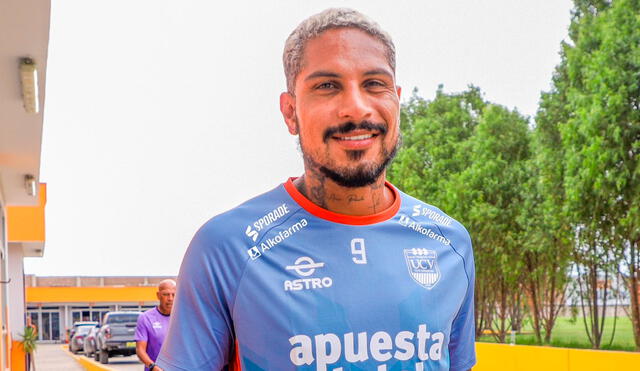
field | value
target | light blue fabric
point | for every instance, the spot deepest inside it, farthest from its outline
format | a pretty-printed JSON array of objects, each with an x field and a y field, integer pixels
[{"x": 298, "y": 292}]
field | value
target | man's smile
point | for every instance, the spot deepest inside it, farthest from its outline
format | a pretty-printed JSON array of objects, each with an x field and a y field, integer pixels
[
  {"x": 356, "y": 140},
  {"x": 354, "y": 132}
]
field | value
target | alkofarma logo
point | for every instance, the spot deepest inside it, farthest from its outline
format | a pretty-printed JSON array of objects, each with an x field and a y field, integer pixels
[{"x": 423, "y": 266}]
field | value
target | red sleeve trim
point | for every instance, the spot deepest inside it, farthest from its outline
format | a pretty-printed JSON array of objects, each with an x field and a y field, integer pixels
[
  {"x": 235, "y": 362},
  {"x": 316, "y": 210}
]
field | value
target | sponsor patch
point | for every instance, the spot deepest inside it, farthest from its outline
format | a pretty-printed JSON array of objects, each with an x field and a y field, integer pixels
[{"x": 423, "y": 266}]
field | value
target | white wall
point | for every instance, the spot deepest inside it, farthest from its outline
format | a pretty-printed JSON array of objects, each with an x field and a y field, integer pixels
[{"x": 16, "y": 290}]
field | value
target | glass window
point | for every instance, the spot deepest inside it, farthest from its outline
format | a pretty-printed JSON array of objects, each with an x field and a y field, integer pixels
[
  {"x": 75, "y": 317},
  {"x": 55, "y": 326},
  {"x": 83, "y": 330},
  {"x": 46, "y": 326},
  {"x": 95, "y": 316},
  {"x": 123, "y": 318}
]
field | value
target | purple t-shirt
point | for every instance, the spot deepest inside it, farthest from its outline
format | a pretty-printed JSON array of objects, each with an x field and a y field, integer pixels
[{"x": 152, "y": 327}]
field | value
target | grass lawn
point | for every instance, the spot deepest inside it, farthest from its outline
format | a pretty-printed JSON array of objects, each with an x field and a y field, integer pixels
[{"x": 570, "y": 334}]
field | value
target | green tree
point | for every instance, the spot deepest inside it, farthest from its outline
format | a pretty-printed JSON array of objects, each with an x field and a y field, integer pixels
[
  {"x": 435, "y": 136},
  {"x": 491, "y": 193},
  {"x": 469, "y": 157},
  {"x": 549, "y": 236},
  {"x": 601, "y": 142},
  {"x": 435, "y": 150}
]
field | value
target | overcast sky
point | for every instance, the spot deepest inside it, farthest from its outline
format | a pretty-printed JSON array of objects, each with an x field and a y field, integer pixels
[{"x": 162, "y": 114}]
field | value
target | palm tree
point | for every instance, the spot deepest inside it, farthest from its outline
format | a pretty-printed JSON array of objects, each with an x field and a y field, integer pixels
[{"x": 28, "y": 343}]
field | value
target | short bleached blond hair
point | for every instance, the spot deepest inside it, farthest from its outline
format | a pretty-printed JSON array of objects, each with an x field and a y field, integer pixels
[{"x": 321, "y": 22}]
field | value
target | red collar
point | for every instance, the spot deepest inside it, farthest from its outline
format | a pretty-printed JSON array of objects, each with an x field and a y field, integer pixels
[{"x": 316, "y": 210}]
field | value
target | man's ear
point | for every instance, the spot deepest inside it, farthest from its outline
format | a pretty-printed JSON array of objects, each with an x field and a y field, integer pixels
[
  {"x": 288, "y": 109},
  {"x": 399, "y": 91}
]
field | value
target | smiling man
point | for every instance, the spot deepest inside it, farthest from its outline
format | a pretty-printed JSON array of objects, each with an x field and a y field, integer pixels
[{"x": 335, "y": 269}]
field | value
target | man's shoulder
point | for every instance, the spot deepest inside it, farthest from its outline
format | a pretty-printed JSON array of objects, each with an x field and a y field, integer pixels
[
  {"x": 271, "y": 205},
  {"x": 419, "y": 210},
  {"x": 147, "y": 314},
  {"x": 244, "y": 224}
]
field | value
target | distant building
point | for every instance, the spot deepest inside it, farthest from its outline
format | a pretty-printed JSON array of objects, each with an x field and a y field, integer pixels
[{"x": 56, "y": 303}]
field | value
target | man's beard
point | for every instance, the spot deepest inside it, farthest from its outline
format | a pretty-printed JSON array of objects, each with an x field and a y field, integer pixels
[{"x": 358, "y": 176}]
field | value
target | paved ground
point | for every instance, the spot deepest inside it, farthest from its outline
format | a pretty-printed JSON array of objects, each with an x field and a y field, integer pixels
[
  {"x": 120, "y": 363},
  {"x": 51, "y": 357}
]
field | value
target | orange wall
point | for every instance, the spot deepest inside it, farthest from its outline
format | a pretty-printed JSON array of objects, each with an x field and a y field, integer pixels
[
  {"x": 26, "y": 223},
  {"x": 17, "y": 357},
  {"x": 505, "y": 357},
  {"x": 90, "y": 294}
]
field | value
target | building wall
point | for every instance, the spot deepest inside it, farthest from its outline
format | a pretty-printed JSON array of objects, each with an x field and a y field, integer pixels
[
  {"x": 65, "y": 300},
  {"x": 3, "y": 288},
  {"x": 16, "y": 291},
  {"x": 93, "y": 281}
]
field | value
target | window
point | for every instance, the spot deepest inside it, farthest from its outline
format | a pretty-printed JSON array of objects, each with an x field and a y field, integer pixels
[{"x": 122, "y": 318}]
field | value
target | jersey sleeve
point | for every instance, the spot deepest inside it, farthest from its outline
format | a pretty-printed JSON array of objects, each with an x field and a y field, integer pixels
[
  {"x": 142, "y": 332},
  {"x": 201, "y": 335},
  {"x": 462, "y": 344}
]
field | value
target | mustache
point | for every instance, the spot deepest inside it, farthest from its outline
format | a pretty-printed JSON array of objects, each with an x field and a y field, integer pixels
[{"x": 350, "y": 126}]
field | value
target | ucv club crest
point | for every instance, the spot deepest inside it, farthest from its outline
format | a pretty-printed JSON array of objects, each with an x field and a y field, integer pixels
[{"x": 423, "y": 266}]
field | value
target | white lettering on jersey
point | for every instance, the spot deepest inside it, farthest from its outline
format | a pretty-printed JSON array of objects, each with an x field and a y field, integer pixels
[
  {"x": 405, "y": 221},
  {"x": 266, "y": 220},
  {"x": 326, "y": 349},
  {"x": 305, "y": 266},
  {"x": 272, "y": 242},
  {"x": 357, "y": 248},
  {"x": 435, "y": 216}
]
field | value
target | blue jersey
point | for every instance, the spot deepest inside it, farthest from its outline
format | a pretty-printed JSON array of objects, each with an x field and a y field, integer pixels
[{"x": 279, "y": 283}]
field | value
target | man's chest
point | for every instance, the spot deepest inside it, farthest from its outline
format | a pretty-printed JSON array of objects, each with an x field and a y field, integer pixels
[
  {"x": 157, "y": 327},
  {"x": 393, "y": 291}
]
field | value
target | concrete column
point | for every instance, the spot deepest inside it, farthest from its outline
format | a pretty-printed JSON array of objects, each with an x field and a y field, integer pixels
[{"x": 16, "y": 289}]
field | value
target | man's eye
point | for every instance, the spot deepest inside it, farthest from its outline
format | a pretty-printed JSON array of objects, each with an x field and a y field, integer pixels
[
  {"x": 326, "y": 85},
  {"x": 374, "y": 84}
]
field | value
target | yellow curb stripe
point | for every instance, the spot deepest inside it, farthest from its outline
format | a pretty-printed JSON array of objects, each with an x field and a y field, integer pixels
[{"x": 87, "y": 363}]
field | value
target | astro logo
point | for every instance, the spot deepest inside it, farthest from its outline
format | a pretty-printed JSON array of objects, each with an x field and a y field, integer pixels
[
  {"x": 305, "y": 266},
  {"x": 254, "y": 253}
]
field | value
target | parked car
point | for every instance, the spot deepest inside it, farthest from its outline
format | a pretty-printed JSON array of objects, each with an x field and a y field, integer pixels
[
  {"x": 79, "y": 324},
  {"x": 76, "y": 344},
  {"x": 116, "y": 336},
  {"x": 90, "y": 342}
]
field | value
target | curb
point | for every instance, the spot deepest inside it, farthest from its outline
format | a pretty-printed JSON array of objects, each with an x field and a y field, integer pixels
[{"x": 87, "y": 363}]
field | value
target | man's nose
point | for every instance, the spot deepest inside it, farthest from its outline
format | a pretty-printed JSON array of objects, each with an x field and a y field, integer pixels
[{"x": 354, "y": 105}]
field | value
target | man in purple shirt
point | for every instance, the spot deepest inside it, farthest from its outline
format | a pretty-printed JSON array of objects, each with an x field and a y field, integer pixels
[{"x": 153, "y": 325}]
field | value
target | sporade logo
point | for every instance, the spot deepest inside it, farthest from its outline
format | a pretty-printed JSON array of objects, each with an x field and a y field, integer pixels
[
  {"x": 256, "y": 251},
  {"x": 433, "y": 215},
  {"x": 266, "y": 220}
]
